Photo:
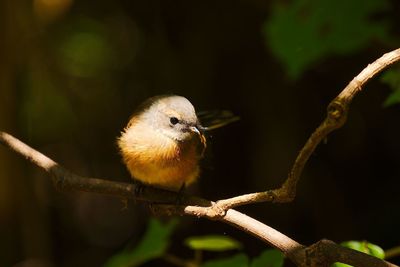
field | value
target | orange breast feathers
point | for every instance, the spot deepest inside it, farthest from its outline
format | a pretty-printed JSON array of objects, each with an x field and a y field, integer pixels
[{"x": 156, "y": 159}]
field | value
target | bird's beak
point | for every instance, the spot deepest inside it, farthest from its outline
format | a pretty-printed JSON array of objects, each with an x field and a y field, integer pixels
[{"x": 194, "y": 129}]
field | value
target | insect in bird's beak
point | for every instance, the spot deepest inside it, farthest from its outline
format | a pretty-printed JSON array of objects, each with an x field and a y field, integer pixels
[{"x": 195, "y": 129}]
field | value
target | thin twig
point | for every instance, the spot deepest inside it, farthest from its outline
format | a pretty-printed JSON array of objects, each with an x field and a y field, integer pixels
[
  {"x": 336, "y": 117},
  {"x": 64, "y": 180},
  {"x": 239, "y": 220},
  {"x": 322, "y": 253},
  {"x": 392, "y": 252},
  {"x": 178, "y": 261},
  {"x": 333, "y": 253}
]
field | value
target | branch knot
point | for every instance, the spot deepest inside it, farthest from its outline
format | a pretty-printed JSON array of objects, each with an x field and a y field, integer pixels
[{"x": 337, "y": 113}]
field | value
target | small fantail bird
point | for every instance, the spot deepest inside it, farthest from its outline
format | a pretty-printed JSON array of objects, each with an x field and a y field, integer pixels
[{"x": 164, "y": 141}]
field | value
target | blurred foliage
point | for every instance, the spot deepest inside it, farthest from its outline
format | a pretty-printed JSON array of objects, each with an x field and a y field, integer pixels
[
  {"x": 212, "y": 243},
  {"x": 392, "y": 79},
  {"x": 269, "y": 258},
  {"x": 42, "y": 101},
  {"x": 75, "y": 70},
  {"x": 87, "y": 47},
  {"x": 85, "y": 51},
  {"x": 239, "y": 260},
  {"x": 156, "y": 240},
  {"x": 364, "y": 247},
  {"x": 154, "y": 243},
  {"x": 303, "y": 32},
  {"x": 49, "y": 11}
]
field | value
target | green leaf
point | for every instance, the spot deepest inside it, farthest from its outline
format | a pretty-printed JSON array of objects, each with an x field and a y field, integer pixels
[
  {"x": 362, "y": 246},
  {"x": 212, "y": 243},
  {"x": 338, "y": 264},
  {"x": 302, "y": 32},
  {"x": 392, "y": 79},
  {"x": 153, "y": 245},
  {"x": 239, "y": 260},
  {"x": 376, "y": 251},
  {"x": 356, "y": 245},
  {"x": 365, "y": 247},
  {"x": 269, "y": 258}
]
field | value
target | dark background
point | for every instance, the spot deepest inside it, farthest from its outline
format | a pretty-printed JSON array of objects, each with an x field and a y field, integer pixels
[{"x": 71, "y": 72}]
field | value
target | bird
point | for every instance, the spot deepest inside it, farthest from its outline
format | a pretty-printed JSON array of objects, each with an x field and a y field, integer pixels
[{"x": 164, "y": 141}]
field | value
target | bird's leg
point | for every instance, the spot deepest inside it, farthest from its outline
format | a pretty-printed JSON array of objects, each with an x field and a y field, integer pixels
[
  {"x": 181, "y": 191},
  {"x": 139, "y": 187}
]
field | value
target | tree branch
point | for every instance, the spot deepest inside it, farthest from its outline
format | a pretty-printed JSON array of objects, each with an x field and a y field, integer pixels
[
  {"x": 321, "y": 254},
  {"x": 336, "y": 117},
  {"x": 331, "y": 253},
  {"x": 392, "y": 252},
  {"x": 64, "y": 180}
]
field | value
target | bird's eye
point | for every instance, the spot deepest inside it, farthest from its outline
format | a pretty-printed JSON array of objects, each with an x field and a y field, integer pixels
[{"x": 173, "y": 120}]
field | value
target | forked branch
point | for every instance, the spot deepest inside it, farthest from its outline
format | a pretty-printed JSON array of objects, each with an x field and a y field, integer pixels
[
  {"x": 321, "y": 254},
  {"x": 336, "y": 117}
]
